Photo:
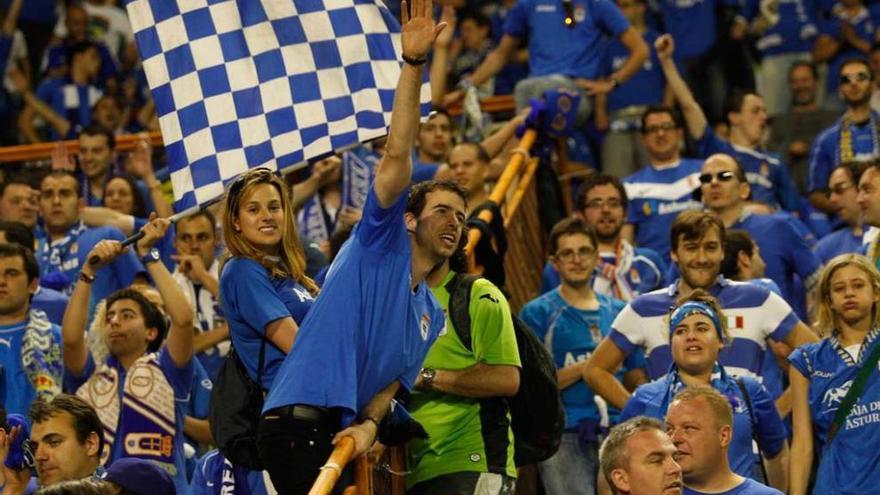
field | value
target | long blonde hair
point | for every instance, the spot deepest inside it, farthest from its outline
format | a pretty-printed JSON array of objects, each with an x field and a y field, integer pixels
[
  {"x": 293, "y": 261},
  {"x": 825, "y": 317}
]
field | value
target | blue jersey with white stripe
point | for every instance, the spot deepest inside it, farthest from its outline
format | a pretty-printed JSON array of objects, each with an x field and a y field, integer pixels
[
  {"x": 769, "y": 178},
  {"x": 825, "y": 152},
  {"x": 856, "y": 448},
  {"x": 656, "y": 196},
  {"x": 753, "y": 314}
]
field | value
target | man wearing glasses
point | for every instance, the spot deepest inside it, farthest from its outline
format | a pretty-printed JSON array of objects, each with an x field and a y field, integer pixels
[
  {"x": 663, "y": 188},
  {"x": 843, "y": 197},
  {"x": 854, "y": 138},
  {"x": 725, "y": 192}
]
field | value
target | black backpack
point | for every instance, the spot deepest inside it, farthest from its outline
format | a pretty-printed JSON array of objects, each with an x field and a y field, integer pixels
[
  {"x": 235, "y": 411},
  {"x": 536, "y": 411}
]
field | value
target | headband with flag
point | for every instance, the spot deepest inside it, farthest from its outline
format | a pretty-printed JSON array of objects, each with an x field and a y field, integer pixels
[{"x": 240, "y": 84}]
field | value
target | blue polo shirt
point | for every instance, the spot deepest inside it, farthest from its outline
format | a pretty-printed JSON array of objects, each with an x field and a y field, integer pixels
[
  {"x": 653, "y": 399},
  {"x": 557, "y": 49},
  {"x": 251, "y": 299},
  {"x": 645, "y": 87},
  {"x": 368, "y": 327},
  {"x": 656, "y": 197},
  {"x": 768, "y": 176}
]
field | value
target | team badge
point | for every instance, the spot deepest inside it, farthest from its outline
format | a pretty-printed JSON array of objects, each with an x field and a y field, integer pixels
[
  {"x": 595, "y": 333},
  {"x": 580, "y": 13},
  {"x": 765, "y": 169},
  {"x": 74, "y": 248},
  {"x": 634, "y": 276},
  {"x": 646, "y": 209}
]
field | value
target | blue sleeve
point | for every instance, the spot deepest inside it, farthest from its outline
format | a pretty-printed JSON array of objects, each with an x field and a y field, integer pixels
[
  {"x": 423, "y": 172},
  {"x": 621, "y": 341},
  {"x": 605, "y": 68},
  {"x": 44, "y": 90},
  {"x": 821, "y": 163},
  {"x": 199, "y": 485},
  {"x": 245, "y": 285},
  {"x": 532, "y": 315},
  {"x": 786, "y": 327},
  {"x": 709, "y": 143},
  {"x": 516, "y": 23},
  {"x": 635, "y": 406},
  {"x": 771, "y": 433},
  {"x": 180, "y": 378},
  {"x": 73, "y": 382},
  {"x": 635, "y": 360},
  {"x": 800, "y": 361},
  {"x": 200, "y": 403},
  {"x": 383, "y": 229},
  {"x": 786, "y": 191},
  {"x": 801, "y": 258},
  {"x": 831, "y": 27},
  {"x": 609, "y": 18}
]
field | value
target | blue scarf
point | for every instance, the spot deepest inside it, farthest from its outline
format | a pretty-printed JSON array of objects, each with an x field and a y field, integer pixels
[
  {"x": 41, "y": 356},
  {"x": 57, "y": 258}
]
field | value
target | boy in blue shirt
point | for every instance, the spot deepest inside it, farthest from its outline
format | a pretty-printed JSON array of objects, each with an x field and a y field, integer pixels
[{"x": 369, "y": 331}]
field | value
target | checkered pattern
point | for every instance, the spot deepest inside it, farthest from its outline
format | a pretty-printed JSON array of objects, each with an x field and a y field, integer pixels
[{"x": 246, "y": 83}]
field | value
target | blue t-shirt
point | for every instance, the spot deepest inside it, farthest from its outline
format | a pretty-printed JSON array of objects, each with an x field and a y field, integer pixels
[
  {"x": 251, "y": 299},
  {"x": 557, "y": 49},
  {"x": 864, "y": 27},
  {"x": 214, "y": 475},
  {"x": 656, "y": 197},
  {"x": 18, "y": 392},
  {"x": 645, "y": 87},
  {"x": 180, "y": 379},
  {"x": 825, "y": 152},
  {"x": 51, "y": 302},
  {"x": 368, "y": 327},
  {"x": 768, "y": 177},
  {"x": 62, "y": 259},
  {"x": 854, "y": 451},
  {"x": 753, "y": 314},
  {"x": 645, "y": 274},
  {"x": 795, "y": 31},
  {"x": 747, "y": 487},
  {"x": 841, "y": 241},
  {"x": 785, "y": 252},
  {"x": 571, "y": 335},
  {"x": 653, "y": 399}
]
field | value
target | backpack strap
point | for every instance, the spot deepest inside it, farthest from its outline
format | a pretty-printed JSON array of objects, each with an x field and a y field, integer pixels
[
  {"x": 855, "y": 391},
  {"x": 458, "y": 307},
  {"x": 745, "y": 393}
]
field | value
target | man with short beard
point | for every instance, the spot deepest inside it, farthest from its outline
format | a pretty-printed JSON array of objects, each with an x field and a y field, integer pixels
[
  {"x": 623, "y": 270},
  {"x": 854, "y": 138},
  {"x": 756, "y": 313},
  {"x": 792, "y": 132}
]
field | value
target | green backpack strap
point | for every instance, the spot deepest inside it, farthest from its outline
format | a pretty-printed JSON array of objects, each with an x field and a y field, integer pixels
[
  {"x": 855, "y": 391},
  {"x": 458, "y": 307}
]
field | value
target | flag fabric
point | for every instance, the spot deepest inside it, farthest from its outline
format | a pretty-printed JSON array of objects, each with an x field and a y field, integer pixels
[{"x": 240, "y": 84}]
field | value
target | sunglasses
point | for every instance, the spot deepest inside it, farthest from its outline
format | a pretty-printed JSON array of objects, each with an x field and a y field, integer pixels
[
  {"x": 851, "y": 78},
  {"x": 725, "y": 176},
  {"x": 665, "y": 126}
]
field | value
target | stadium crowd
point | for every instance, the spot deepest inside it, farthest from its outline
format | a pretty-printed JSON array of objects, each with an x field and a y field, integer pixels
[{"x": 710, "y": 298}]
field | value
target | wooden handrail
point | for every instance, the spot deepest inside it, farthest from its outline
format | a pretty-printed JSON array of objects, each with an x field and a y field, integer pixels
[
  {"x": 523, "y": 186},
  {"x": 43, "y": 151},
  {"x": 331, "y": 471},
  {"x": 499, "y": 192},
  {"x": 492, "y": 104}
]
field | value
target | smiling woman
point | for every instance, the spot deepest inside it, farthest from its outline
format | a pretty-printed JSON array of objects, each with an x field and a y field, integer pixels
[{"x": 697, "y": 335}]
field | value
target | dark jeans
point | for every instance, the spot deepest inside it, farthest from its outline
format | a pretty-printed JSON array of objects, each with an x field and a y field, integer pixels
[{"x": 294, "y": 449}]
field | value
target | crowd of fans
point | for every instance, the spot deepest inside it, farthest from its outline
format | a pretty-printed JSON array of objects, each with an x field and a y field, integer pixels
[{"x": 712, "y": 290}]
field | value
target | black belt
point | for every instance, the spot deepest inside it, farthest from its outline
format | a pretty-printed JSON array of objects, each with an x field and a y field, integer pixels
[{"x": 305, "y": 412}]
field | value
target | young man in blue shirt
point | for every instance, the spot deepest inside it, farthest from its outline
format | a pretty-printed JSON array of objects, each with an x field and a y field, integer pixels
[
  {"x": 754, "y": 314},
  {"x": 843, "y": 194},
  {"x": 664, "y": 186},
  {"x": 31, "y": 350},
  {"x": 369, "y": 331},
  {"x": 141, "y": 392},
  {"x": 747, "y": 116},
  {"x": 854, "y": 138}
]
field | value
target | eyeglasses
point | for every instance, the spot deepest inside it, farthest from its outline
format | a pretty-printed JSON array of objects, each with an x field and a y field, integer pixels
[
  {"x": 724, "y": 176},
  {"x": 858, "y": 76},
  {"x": 598, "y": 204},
  {"x": 567, "y": 255},
  {"x": 665, "y": 126}
]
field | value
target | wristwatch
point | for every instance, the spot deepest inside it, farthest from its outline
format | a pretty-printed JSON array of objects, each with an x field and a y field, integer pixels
[
  {"x": 152, "y": 256},
  {"x": 428, "y": 375},
  {"x": 614, "y": 83}
]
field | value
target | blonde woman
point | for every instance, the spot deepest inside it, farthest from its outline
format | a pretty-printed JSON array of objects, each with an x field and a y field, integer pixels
[
  {"x": 264, "y": 290},
  {"x": 821, "y": 376}
]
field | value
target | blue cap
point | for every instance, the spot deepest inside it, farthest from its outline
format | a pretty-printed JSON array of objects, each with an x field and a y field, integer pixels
[{"x": 140, "y": 476}]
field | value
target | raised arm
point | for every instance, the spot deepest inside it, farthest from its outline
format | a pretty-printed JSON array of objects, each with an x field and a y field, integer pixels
[
  {"x": 141, "y": 161},
  {"x": 180, "y": 333},
  {"x": 417, "y": 35},
  {"x": 439, "y": 73},
  {"x": 10, "y": 22},
  {"x": 73, "y": 324},
  {"x": 693, "y": 114}
]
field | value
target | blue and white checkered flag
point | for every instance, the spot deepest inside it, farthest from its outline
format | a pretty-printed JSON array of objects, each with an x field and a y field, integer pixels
[{"x": 247, "y": 83}]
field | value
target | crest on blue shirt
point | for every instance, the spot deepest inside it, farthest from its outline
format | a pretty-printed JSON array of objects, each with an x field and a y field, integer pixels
[
  {"x": 646, "y": 209},
  {"x": 426, "y": 325},
  {"x": 834, "y": 396},
  {"x": 765, "y": 169},
  {"x": 595, "y": 333},
  {"x": 580, "y": 13},
  {"x": 74, "y": 248}
]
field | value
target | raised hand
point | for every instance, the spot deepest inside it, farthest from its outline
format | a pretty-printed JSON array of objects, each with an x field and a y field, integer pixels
[
  {"x": 191, "y": 266},
  {"x": 61, "y": 159},
  {"x": 104, "y": 253},
  {"x": 665, "y": 47},
  {"x": 418, "y": 30},
  {"x": 446, "y": 35},
  {"x": 153, "y": 231},
  {"x": 140, "y": 161}
]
